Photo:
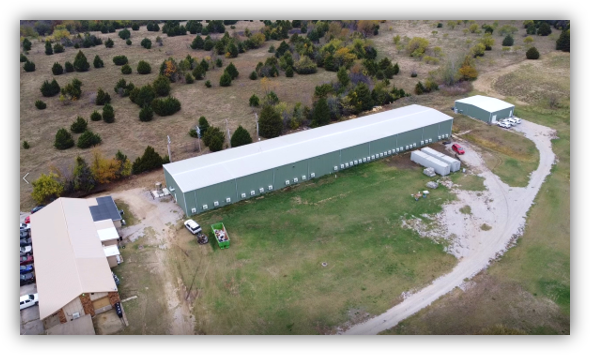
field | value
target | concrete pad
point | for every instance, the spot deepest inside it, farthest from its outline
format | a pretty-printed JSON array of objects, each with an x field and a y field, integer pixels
[
  {"x": 29, "y": 314},
  {"x": 28, "y": 289},
  {"x": 32, "y": 328},
  {"x": 108, "y": 323},
  {"x": 80, "y": 326}
]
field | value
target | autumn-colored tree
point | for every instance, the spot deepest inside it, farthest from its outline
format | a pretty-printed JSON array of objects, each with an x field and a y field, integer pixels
[
  {"x": 467, "y": 70},
  {"x": 169, "y": 69},
  {"x": 104, "y": 170},
  {"x": 473, "y": 28},
  {"x": 417, "y": 46},
  {"x": 46, "y": 187},
  {"x": 487, "y": 41},
  {"x": 366, "y": 27},
  {"x": 124, "y": 165}
]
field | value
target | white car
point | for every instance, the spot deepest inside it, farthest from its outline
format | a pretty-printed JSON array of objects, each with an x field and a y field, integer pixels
[
  {"x": 192, "y": 226},
  {"x": 516, "y": 120},
  {"x": 25, "y": 250},
  {"x": 509, "y": 123},
  {"x": 511, "y": 120},
  {"x": 503, "y": 125},
  {"x": 27, "y": 301}
]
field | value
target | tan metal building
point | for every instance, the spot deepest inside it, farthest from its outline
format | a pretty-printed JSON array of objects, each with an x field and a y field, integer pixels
[{"x": 73, "y": 275}]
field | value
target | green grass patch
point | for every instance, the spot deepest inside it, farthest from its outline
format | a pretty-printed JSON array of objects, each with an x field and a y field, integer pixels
[
  {"x": 271, "y": 280},
  {"x": 485, "y": 227},
  {"x": 465, "y": 209},
  {"x": 129, "y": 218}
]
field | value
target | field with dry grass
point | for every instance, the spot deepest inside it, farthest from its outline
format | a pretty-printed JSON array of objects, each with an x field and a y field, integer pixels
[{"x": 218, "y": 104}]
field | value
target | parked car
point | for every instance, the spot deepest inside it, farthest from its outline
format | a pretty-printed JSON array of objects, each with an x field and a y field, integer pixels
[
  {"x": 24, "y": 269},
  {"x": 28, "y": 220},
  {"x": 512, "y": 121},
  {"x": 27, "y": 301},
  {"x": 25, "y": 227},
  {"x": 193, "y": 226},
  {"x": 25, "y": 233},
  {"x": 504, "y": 125},
  {"x": 26, "y": 259},
  {"x": 37, "y": 208},
  {"x": 507, "y": 122},
  {"x": 26, "y": 279},
  {"x": 458, "y": 149},
  {"x": 26, "y": 242},
  {"x": 516, "y": 119},
  {"x": 25, "y": 250}
]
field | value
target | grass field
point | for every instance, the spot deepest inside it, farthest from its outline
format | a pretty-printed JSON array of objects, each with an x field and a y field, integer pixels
[
  {"x": 468, "y": 182},
  {"x": 218, "y": 104},
  {"x": 271, "y": 280}
]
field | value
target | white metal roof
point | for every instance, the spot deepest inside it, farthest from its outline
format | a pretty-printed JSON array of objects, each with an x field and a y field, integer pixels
[
  {"x": 210, "y": 169},
  {"x": 69, "y": 259},
  {"x": 489, "y": 104},
  {"x": 106, "y": 230},
  {"x": 111, "y": 250}
]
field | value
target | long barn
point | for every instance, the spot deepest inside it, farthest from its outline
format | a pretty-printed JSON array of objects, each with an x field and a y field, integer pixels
[{"x": 214, "y": 180}]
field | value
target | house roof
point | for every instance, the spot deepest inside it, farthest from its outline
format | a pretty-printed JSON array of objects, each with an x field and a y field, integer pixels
[
  {"x": 106, "y": 230},
  {"x": 210, "y": 169},
  {"x": 103, "y": 208},
  {"x": 111, "y": 250},
  {"x": 69, "y": 258},
  {"x": 489, "y": 104}
]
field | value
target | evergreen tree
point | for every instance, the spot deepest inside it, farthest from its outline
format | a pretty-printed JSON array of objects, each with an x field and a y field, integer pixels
[
  {"x": 50, "y": 89},
  {"x": 240, "y": 137},
  {"x": 232, "y": 71},
  {"x": 83, "y": 177},
  {"x": 330, "y": 64},
  {"x": 109, "y": 43},
  {"x": 124, "y": 34},
  {"x": 146, "y": 43},
  {"x": 198, "y": 72},
  {"x": 225, "y": 79},
  {"x": 508, "y": 41},
  {"x": 389, "y": 72},
  {"x": 23, "y": 58},
  {"x": 166, "y": 107},
  {"x": 98, "y": 63},
  {"x": 395, "y": 69},
  {"x": 135, "y": 27},
  {"x": 360, "y": 98},
  {"x": 63, "y": 139},
  {"x": 270, "y": 124},
  {"x": 48, "y": 48},
  {"x": 563, "y": 42},
  {"x": 204, "y": 65},
  {"x": 108, "y": 113},
  {"x": 80, "y": 62},
  {"x": 253, "y": 76},
  {"x": 214, "y": 139},
  {"x": 289, "y": 72},
  {"x": 203, "y": 125},
  {"x": 26, "y": 45},
  {"x": 128, "y": 42},
  {"x": 143, "y": 67},
  {"x": 95, "y": 116},
  {"x": 532, "y": 53},
  {"x": 161, "y": 85},
  {"x": 40, "y": 105},
  {"x": 419, "y": 89},
  {"x": 26, "y": 145},
  {"x": 544, "y": 29},
  {"x": 102, "y": 97},
  {"x": 198, "y": 43},
  {"x": 188, "y": 78},
  {"x": 143, "y": 96},
  {"x": 321, "y": 113},
  {"x": 232, "y": 50},
  {"x": 69, "y": 67},
  {"x": 343, "y": 78},
  {"x": 146, "y": 114},
  {"x": 208, "y": 83},
  {"x": 126, "y": 69},
  {"x": 58, "y": 48},
  {"x": 254, "y": 101},
  {"x": 79, "y": 125},
  {"x": 29, "y": 66},
  {"x": 148, "y": 161},
  {"x": 57, "y": 69},
  {"x": 120, "y": 60},
  {"x": 88, "y": 139}
]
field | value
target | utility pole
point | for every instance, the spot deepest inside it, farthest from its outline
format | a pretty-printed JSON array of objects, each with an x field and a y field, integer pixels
[
  {"x": 228, "y": 136},
  {"x": 257, "y": 136},
  {"x": 198, "y": 129},
  {"x": 169, "y": 155}
]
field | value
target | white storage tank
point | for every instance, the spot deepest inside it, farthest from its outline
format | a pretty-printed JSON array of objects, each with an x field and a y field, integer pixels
[
  {"x": 454, "y": 163},
  {"x": 427, "y": 161}
]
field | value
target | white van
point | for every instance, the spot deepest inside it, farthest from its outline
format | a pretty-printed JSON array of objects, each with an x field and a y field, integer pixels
[{"x": 27, "y": 301}]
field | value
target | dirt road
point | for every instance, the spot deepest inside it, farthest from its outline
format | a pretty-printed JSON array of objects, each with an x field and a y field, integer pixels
[{"x": 502, "y": 207}]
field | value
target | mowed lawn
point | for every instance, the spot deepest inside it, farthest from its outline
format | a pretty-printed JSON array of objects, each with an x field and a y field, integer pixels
[{"x": 271, "y": 280}]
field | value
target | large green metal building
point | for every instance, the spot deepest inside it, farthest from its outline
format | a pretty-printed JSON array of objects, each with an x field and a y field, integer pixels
[
  {"x": 487, "y": 109},
  {"x": 218, "y": 179}
]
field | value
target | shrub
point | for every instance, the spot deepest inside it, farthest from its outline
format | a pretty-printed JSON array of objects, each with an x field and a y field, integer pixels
[
  {"x": 26, "y": 45},
  {"x": 80, "y": 62},
  {"x": 108, "y": 113},
  {"x": 214, "y": 139},
  {"x": 143, "y": 67},
  {"x": 199, "y": 72},
  {"x": 69, "y": 67},
  {"x": 240, "y": 137},
  {"x": 88, "y": 139},
  {"x": 109, "y": 43},
  {"x": 253, "y": 76},
  {"x": 124, "y": 89},
  {"x": 126, "y": 69},
  {"x": 98, "y": 63},
  {"x": 128, "y": 42},
  {"x": 148, "y": 161},
  {"x": 225, "y": 79},
  {"x": 161, "y": 85},
  {"x": 63, "y": 139},
  {"x": 188, "y": 78},
  {"x": 57, "y": 69},
  {"x": 203, "y": 125},
  {"x": 532, "y": 53},
  {"x": 289, "y": 72},
  {"x": 153, "y": 27},
  {"x": 135, "y": 27},
  {"x": 23, "y": 58},
  {"x": 40, "y": 105},
  {"x": 26, "y": 145},
  {"x": 102, "y": 97},
  {"x": 95, "y": 116},
  {"x": 232, "y": 71},
  {"x": 58, "y": 48},
  {"x": 193, "y": 133},
  {"x": 48, "y": 48},
  {"x": 508, "y": 41},
  {"x": 79, "y": 125},
  {"x": 563, "y": 42},
  {"x": 198, "y": 43},
  {"x": 305, "y": 66},
  {"x": 208, "y": 83},
  {"x": 166, "y": 107},
  {"x": 159, "y": 41},
  {"x": 414, "y": 73},
  {"x": 254, "y": 101},
  {"x": 429, "y": 60},
  {"x": 146, "y": 43},
  {"x": 143, "y": 96},
  {"x": 29, "y": 66},
  {"x": 419, "y": 88},
  {"x": 120, "y": 60},
  {"x": 270, "y": 123},
  {"x": 50, "y": 89},
  {"x": 124, "y": 34},
  {"x": 146, "y": 114},
  {"x": 544, "y": 29}
]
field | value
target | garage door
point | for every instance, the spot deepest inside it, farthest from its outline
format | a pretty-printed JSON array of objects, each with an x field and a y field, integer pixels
[{"x": 103, "y": 302}]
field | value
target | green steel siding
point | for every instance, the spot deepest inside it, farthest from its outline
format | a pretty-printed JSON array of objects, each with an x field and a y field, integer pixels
[
  {"x": 410, "y": 137},
  {"x": 190, "y": 198},
  {"x": 289, "y": 172},
  {"x": 324, "y": 164},
  {"x": 218, "y": 192},
  {"x": 381, "y": 146},
  {"x": 254, "y": 182},
  {"x": 431, "y": 132},
  {"x": 473, "y": 111},
  {"x": 503, "y": 113},
  {"x": 444, "y": 128},
  {"x": 177, "y": 194},
  {"x": 351, "y": 154}
]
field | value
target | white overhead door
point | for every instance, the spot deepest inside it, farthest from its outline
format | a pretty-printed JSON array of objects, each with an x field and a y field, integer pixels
[{"x": 494, "y": 119}]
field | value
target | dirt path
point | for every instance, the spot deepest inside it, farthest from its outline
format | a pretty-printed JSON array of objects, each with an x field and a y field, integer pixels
[
  {"x": 502, "y": 207},
  {"x": 161, "y": 217}
]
